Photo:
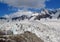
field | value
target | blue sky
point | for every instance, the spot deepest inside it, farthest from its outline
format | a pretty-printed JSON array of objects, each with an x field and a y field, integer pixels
[
  {"x": 6, "y": 9},
  {"x": 53, "y": 4}
]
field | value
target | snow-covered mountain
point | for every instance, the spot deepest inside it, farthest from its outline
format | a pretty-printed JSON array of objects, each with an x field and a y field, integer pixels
[
  {"x": 45, "y": 24},
  {"x": 25, "y": 14}
]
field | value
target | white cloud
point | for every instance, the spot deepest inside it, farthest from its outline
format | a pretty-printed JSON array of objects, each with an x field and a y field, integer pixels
[
  {"x": 18, "y": 13},
  {"x": 26, "y": 3}
]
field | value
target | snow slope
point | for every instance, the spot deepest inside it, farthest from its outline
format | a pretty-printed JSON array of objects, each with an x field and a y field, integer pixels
[{"x": 41, "y": 28}]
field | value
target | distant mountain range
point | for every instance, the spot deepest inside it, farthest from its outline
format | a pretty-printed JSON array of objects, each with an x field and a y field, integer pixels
[{"x": 44, "y": 13}]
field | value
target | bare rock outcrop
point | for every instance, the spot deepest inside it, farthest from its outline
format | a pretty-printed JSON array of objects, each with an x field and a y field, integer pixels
[{"x": 24, "y": 37}]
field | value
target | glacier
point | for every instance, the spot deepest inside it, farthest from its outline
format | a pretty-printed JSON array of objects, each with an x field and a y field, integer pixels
[{"x": 47, "y": 29}]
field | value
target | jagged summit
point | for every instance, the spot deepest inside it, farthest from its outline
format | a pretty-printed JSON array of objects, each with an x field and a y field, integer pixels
[{"x": 25, "y": 14}]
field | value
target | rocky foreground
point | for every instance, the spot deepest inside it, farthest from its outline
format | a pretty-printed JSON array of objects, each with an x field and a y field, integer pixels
[{"x": 24, "y": 37}]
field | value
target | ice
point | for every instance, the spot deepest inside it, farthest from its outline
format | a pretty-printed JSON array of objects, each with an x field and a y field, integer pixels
[{"x": 46, "y": 30}]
